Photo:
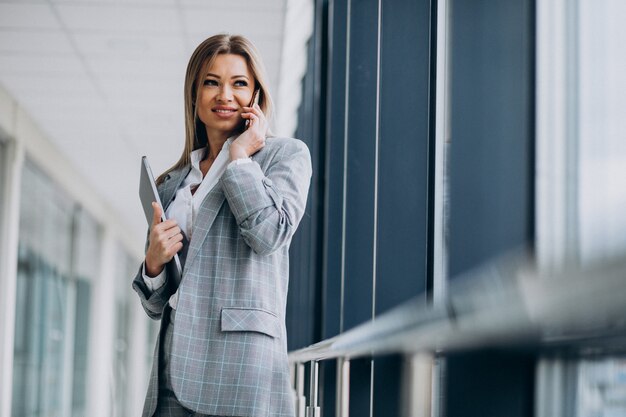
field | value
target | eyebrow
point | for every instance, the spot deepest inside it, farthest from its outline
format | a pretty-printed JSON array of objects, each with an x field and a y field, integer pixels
[{"x": 234, "y": 76}]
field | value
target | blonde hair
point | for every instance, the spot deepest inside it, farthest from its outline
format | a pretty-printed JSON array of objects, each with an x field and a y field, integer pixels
[{"x": 201, "y": 59}]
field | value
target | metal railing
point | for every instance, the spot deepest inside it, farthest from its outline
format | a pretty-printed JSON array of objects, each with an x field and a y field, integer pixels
[{"x": 505, "y": 303}]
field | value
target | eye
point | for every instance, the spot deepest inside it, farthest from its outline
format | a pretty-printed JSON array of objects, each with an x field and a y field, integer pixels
[
  {"x": 210, "y": 82},
  {"x": 241, "y": 83}
]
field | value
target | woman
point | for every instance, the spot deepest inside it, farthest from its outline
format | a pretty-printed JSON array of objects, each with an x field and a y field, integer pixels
[{"x": 233, "y": 201}]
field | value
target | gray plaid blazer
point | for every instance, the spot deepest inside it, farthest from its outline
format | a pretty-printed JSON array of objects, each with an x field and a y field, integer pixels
[{"x": 229, "y": 353}]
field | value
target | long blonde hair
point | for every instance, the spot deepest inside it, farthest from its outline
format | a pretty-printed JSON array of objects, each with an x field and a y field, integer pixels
[{"x": 201, "y": 59}]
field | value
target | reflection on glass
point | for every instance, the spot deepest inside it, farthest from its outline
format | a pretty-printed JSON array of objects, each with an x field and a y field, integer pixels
[
  {"x": 125, "y": 269},
  {"x": 53, "y": 299},
  {"x": 602, "y": 388},
  {"x": 602, "y": 130}
]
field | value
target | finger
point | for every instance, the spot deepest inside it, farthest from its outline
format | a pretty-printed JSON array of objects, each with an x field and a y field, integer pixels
[
  {"x": 167, "y": 235},
  {"x": 174, "y": 249},
  {"x": 161, "y": 229},
  {"x": 178, "y": 237},
  {"x": 168, "y": 224},
  {"x": 252, "y": 117},
  {"x": 254, "y": 109},
  {"x": 170, "y": 227},
  {"x": 175, "y": 231},
  {"x": 156, "y": 213}
]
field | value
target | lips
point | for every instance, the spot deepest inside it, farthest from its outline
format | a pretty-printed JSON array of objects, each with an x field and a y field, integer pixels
[
  {"x": 225, "y": 112},
  {"x": 223, "y": 109}
]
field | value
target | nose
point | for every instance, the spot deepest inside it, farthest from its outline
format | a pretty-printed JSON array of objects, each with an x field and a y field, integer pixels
[{"x": 225, "y": 93}]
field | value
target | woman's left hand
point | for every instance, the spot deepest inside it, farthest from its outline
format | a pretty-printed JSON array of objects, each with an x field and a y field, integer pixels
[{"x": 253, "y": 138}]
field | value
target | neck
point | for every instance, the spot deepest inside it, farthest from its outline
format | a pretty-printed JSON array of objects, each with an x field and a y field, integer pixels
[{"x": 215, "y": 141}]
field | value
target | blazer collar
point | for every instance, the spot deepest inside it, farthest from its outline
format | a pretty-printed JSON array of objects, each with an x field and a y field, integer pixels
[{"x": 168, "y": 188}]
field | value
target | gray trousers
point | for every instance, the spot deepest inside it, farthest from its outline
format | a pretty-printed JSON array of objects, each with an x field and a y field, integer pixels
[{"x": 168, "y": 405}]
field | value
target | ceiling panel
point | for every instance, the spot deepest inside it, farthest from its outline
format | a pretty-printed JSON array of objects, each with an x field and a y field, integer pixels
[
  {"x": 39, "y": 84},
  {"x": 27, "y": 15},
  {"x": 242, "y": 6},
  {"x": 49, "y": 107},
  {"x": 206, "y": 22},
  {"x": 120, "y": 18},
  {"x": 114, "y": 67},
  {"x": 131, "y": 46},
  {"x": 105, "y": 3},
  {"x": 50, "y": 66},
  {"x": 27, "y": 41}
]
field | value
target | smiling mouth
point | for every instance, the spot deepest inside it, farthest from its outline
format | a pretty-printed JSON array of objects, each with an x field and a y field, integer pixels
[{"x": 224, "y": 111}]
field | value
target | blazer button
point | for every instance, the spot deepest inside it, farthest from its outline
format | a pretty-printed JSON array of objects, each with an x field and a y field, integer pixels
[{"x": 267, "y": 182}]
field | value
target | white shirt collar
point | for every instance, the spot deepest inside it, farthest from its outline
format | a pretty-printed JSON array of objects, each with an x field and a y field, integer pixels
[{"x": 199, "y": 154}]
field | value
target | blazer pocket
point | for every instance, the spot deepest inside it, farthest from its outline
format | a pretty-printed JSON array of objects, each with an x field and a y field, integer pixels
[{"x": 236, "y": 319}]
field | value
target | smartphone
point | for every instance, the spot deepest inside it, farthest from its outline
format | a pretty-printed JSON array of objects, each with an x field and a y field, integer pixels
[
  {"x": 253, "y": 101},
  {"x": 255, "y": 98}
]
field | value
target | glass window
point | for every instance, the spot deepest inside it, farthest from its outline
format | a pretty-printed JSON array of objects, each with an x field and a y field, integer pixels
[
  {"x": 125, "y": 271},
  {"x": 57, "y": 257},
  {"x": 602, "y": 388},
  {"x": 602, "y": 129},
  {"x": 87, "y": 262},
  {"x": 602, "y": 168}
]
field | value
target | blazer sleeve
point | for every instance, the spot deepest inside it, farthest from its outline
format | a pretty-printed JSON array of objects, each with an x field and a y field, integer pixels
[
  {"x": 153, "y": 302},
  {"x": 268, "y": 206}
]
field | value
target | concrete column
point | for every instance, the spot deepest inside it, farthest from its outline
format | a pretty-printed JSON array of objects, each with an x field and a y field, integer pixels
[
  {"x": 101, "y": 338},
  {"x": 139, "y": 347},
  {"x": 9, "y": 226}
]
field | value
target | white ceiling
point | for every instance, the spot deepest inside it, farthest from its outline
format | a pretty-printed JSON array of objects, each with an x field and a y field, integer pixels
[{"x": 103, "y": 79}]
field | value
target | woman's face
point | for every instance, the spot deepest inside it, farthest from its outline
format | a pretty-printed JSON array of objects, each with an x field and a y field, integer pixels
[{"x": 226, "y": 87}]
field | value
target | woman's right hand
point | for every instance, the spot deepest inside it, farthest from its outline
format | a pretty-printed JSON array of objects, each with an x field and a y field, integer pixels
[{"x": 165, "y": 241}]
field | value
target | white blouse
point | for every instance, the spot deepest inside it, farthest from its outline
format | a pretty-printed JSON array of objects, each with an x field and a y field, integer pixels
[{"x": 185, "y": 205}]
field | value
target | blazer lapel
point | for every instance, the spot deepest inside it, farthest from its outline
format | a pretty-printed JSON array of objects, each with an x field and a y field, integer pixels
[
  {"x": 209, "y": 209},
  {"x": 170, "y": 186}
]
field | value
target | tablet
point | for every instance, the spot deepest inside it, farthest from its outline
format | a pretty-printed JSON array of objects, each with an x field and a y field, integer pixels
[{"x": 147, "y": 194}]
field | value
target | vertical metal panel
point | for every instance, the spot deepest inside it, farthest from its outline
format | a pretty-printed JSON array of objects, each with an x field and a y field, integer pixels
[
  {"x": 403, "y": 175},
  {"x": 387, "y": 386},
  {"x": 360, "y": 387},
  {"x": 491, "y": 186},
  {"x": 335, "y": 110},
  {"x": 335, "y": 102},
  {"x": 403, "y": 157},
  {"x": 492, "y": 129},
  {"x": 360, "y": 187},
  {"x": 490, "y": 384},
  {"x": 361, "y": 145}
]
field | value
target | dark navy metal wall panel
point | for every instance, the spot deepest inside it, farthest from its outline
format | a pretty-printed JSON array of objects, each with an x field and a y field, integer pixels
[
  {"x": 403, "y": 153},
  {"x": 403, "y": 175},
  {"x": 360, "y": 387},
  {"x": 335, "y": 109},
  {"x": 361, "y": 139},
  {"x": 387, "y": 399},
  {"x": 494, "y": 384},
  {"x": 360, "y": 198},
  {"x": 491, "y": 122},
  {"x": 491, "y": 192},
  {"x": 333, "y": 230}
]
